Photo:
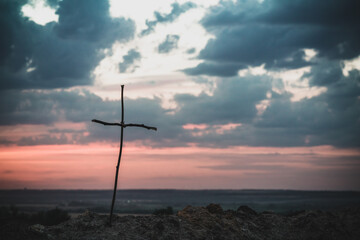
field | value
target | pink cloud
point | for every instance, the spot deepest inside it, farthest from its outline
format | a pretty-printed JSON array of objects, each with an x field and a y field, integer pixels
[
  {"x": 203, "y": 129},
  {"x": 195, "y": 126}
]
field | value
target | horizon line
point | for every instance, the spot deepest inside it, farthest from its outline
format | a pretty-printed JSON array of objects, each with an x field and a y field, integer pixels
[{"x": 178, "y": 189}]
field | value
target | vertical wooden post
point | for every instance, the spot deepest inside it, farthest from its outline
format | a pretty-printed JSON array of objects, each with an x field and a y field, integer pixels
[
  {"x": 122, "y": 125},
  {"x": 121, "y": 145}
]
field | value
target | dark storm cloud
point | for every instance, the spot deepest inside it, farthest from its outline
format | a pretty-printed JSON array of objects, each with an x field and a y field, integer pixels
[
  {"x": 59, "y": 54},
  {"x": 254, "y": 45},
  {"x": 332, "y": 118},
  {"x": 90, "y": 21},
  {"x": 176, "y": 11},
  {"x": 215, "y": 69},
  {"x": 330, "y": 13},
  {"x": 247, "y": 33},
  {"x": 38, "y": 107},
  {"x": 25, "y": 108},
  {"x": 128, "y": 61},
  {"x": 275, "y": 32},
  {"x": 169, "y": 44},
  {"x": 317, "y": 12},
  {"x": 325, "y": 73},
  {"x": 233, "y": 100}
]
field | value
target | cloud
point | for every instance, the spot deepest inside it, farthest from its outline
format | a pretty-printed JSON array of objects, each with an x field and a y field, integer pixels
[
  {"x": 330, "y": 118},
  {"x": 190, "y": 51},
  {"x": 59, "y": 54},
  {"x": 176, "y": 11},
  {"x": 325, "y": 73},
  {"x": 50, "y": 107},
  {"x": 62, "y": 54},
  {"x": 39, "y": 107},
  {"x": 248, "y": 33},
  {"x": 234, "y": 100},
  {"x": 253, "y": 45},
  {"x": 276, "y": 33},
  {"x": 90, "y": 21},
  {"x": 43, "y": 140},
  {"x": 336, "y": 13},
  {"x": 214, "y": 69},
  {"x": 4, "y": 141},
  {"x": 52, "y": 3},
  {"x": 169, "y": 44},
  {"x": 128, "y": 61}
]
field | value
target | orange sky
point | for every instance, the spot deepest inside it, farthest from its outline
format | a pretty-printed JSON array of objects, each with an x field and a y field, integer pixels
[{"x": 93, "y": 167}]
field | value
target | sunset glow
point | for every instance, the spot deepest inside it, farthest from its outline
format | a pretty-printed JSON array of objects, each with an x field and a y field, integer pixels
[
  {"x": 244, "y": 94},
  {"x": 93, "y": 166}
]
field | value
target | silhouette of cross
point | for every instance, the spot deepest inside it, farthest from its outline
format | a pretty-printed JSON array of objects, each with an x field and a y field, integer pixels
[{"x": 122, "y": 125}]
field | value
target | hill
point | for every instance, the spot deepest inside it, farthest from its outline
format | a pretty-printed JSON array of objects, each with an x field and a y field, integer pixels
[{"x": 210, "y": 222}]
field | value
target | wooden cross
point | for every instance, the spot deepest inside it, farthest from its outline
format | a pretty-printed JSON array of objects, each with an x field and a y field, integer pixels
[{"x": 122, "y": 125}]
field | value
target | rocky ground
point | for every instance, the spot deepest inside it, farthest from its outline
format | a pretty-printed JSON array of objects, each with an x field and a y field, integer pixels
[{"x": 209, "y": 222}]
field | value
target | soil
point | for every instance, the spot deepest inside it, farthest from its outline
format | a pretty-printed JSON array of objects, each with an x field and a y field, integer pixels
[{"x": 210, "y": 222}]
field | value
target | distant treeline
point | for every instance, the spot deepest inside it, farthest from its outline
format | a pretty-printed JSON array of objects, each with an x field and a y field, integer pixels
[
  {"x": 48, "y": 218},
  {"x": 147, "y": 201}
]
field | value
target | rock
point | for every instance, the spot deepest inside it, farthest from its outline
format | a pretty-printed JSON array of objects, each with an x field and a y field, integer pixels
[
  {"x": 37, "y": 228},
  {"x": 196, "y": 215},
  {"x": 214, "y": 208},
  {"x": 246, "y": 210}
]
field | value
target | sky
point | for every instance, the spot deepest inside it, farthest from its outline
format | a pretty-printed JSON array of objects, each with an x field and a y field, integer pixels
[{"x": 246, "y": 94}]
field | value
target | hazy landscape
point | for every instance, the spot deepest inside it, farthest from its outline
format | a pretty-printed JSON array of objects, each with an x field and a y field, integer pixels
[
  {"x": 146, "y": 201},
  {"x": 167, "y": 214}
]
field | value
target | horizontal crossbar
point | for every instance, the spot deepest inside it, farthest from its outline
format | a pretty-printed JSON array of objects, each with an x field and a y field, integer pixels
[{"x": 124, "y": 125}]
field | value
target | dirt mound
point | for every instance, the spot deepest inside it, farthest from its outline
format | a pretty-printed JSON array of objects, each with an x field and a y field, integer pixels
[{"x": 210, "y": 222}]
